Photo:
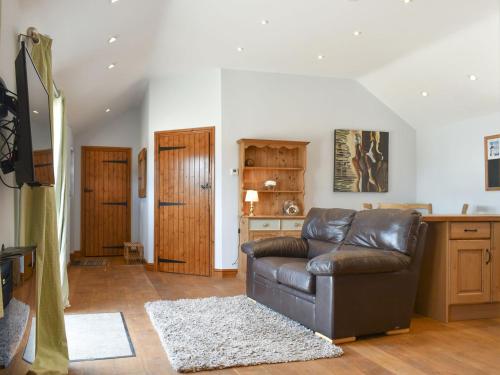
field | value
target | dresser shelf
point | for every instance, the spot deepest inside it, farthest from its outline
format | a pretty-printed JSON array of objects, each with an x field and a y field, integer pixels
[
  {"x": 273, "y": 168},
  {"x": 283, "y": 162},
  {"x": 278, "y": 191}
]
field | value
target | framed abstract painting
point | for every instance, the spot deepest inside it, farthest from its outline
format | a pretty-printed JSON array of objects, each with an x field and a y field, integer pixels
[
  {"x": 492, "y": 162},
  {"x": 361, "y": 161}
]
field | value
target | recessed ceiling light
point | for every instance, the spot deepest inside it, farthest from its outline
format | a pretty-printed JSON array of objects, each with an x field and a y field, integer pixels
[
  {"x": 357, "y": 33},
  {"x": 35, "y": 112},
  {"x": 112, "y": 66},
  {"x": 321, "y": 57},
  {"x": 407, "y": 1},
  {"x": 240, "y": 49},
  {"x": 108, "y": 110},
  {"x": 114, "y": 1},
  {"x": 473, "y": 77},
  {"x": 112, "y": 39},
  {"x": 425, "y": 94},
  {"x": 264, "y": 22}
]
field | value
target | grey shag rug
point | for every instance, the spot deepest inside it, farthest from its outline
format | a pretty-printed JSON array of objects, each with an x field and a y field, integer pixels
[
  {"x": 214, "y": 333},
  {"x": 12, "y": 328}
]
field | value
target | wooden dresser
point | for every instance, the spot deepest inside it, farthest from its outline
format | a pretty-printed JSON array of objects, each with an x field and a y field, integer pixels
[
  {"x": 283, "y": 162},
  {"x": 460, "y": 277}
]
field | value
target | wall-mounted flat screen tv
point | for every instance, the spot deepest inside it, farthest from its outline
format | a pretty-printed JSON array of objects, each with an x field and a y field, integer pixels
[{"x": 34, "y": 156}]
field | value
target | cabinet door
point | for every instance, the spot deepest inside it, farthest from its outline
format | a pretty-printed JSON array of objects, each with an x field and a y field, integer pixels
[
  {"x": 495, "y": 265},
  {"x": 470, "y": 262}
]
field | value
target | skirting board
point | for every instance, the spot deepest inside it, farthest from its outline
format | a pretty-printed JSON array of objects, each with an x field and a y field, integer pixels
[
  {"x": 149, "y": 267},
  {"x": 75, "y": 254},
  {"x": 224, "y": 273},
  {"x": 474, "y": 311}
]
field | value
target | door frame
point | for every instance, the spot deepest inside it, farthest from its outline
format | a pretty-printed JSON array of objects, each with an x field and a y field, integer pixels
[
  {"x": 211, "y": 203},
  {"x": 128, "y": 150}
]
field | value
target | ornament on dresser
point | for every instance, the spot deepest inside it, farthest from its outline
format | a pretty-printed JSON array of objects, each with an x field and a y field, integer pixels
[
  {"x": 249, "y": 163},
  {"x": 270, "y": 185},
  {"x": 291, "y": 208}
]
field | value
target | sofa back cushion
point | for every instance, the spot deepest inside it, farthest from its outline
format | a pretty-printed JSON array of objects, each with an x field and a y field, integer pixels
[
  {"x": 325, "y": 228},
  {"x": 395, "y": 230}
]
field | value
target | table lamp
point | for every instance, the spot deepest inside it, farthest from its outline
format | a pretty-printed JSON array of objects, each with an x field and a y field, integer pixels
[{"x": 252, "y": 196}]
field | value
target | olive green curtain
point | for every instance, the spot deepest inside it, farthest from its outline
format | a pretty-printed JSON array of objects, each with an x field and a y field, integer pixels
[
  {"x": 39, "y": 218},
  {"x": 62, "y": 185},
  {"x": 39, "y": 227},
  {"x": 42, "y": 58}
]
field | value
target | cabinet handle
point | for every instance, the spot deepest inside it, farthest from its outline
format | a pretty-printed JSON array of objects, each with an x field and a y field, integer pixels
[
  {"x": 488, "y": 260},
  {"x": 470, "y": 230},
  {"x": 265, "y": 225},
  {"x": 298, "y": 225}
]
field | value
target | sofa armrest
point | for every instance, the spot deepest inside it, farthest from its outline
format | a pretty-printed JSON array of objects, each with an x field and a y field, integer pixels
[
  {"x": 357, "y": 260},
  {"x": 289, "y": 247}
]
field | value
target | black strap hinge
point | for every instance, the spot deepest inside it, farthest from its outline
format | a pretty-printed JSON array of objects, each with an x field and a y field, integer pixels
[
  {"x": 170, "y": 148},
  {"x": 115, "y": 203},
  {"x": 163, "y": 260},
  {"x": 42, "y": 165},
  {"x": 116, "y": 161},
  {"x": 169, "y": 204}
]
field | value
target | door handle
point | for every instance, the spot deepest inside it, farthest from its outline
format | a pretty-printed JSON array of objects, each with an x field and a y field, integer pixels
[
  {"x": 206, "y": 186},
  {"x": 488, "y": 260}
]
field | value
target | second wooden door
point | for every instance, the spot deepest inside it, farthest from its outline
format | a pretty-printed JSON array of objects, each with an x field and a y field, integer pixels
[
  {"x": 183, "y": 197},
  {"x": 105, "y": 200}
]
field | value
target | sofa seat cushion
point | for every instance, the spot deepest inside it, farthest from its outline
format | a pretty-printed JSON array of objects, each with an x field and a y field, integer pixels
[
  {"x": 268, "y": 266},
  {"x": 351, "y": 260},
  {"x": 295, "y": 275}
]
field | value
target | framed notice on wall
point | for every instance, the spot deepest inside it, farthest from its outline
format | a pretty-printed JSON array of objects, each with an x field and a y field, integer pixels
[{"x": 492, "y": 162}]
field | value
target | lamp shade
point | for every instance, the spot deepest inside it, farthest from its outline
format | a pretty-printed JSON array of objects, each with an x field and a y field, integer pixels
[{"x": 252, "y": 196}]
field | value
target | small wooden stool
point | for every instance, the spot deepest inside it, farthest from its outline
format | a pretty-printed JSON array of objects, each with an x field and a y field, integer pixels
[{"x": 133, "y": 252}]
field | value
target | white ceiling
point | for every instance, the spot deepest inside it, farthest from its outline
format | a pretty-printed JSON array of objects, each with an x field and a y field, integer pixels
[
  {"x": 427, "y": 45},
  {"x": 80, "y": 30}
]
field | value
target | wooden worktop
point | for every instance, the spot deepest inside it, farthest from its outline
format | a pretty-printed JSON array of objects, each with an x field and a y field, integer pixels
[{"x": 459, "y": 218}]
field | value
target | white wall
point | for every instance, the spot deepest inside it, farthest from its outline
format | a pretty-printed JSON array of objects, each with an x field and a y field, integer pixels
[
  {"x": 451, "y": 168},
  {"x": 122, "y": 131},
  {"x": 280, "y": 106},
  {"x": 179, "y": 101},
  {"x": 9, "y": 14},
  {"x": 263, "y": 105}
]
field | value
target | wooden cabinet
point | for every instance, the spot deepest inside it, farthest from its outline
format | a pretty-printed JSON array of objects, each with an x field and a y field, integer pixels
[
  {"x": 470, "y": 230},
  {"x": 252, "y": 229},
  {"x": 470, "y": 271},
  {"x": 283, "y": 162},
  {"x": 460, "y": 274},
  {"x": 495, "y": 263}
]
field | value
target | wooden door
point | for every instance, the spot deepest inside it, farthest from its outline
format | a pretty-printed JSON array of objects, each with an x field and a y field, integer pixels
[
  {"x": 105, "y": 200},
  {"x": 183, "y": 201},
  {"x": 43, "y": 166},
  {"x": 470, "y": 262},
  {"x": 495, "y": 264}
]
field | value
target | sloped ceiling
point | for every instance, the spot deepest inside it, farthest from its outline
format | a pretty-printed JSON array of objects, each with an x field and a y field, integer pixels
[
  {"x": 443, "y": 70},
  {"x": 403, "y": 49},
  {"x": 80, "y": 30}
]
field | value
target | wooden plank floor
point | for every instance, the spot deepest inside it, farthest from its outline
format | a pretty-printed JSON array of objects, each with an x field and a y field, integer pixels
[{"x": 471, "y": 347}]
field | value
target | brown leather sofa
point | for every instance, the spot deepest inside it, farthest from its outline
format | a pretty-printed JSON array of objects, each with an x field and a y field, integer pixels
[{"x": 351, "y": 274}]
